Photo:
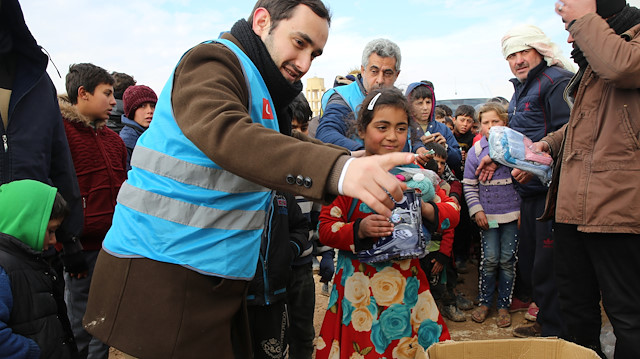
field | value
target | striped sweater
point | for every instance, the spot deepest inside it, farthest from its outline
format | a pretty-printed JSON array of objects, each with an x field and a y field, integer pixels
[{"x": 498, "y": 197}]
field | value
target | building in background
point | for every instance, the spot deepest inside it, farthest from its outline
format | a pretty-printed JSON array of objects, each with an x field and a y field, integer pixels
[{"x": 314, "y": 91}]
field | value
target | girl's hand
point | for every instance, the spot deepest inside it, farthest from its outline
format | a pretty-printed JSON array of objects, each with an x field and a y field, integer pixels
[
  {"x": 486, "y": 168},
  {"x": 375, "y": 226},
  {"x": 437, "y": 267},
  {"x": 481, "y": 220}
]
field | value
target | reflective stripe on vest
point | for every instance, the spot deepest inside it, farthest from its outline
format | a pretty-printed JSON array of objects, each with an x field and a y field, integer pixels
[{"x": 178, "y": 206}]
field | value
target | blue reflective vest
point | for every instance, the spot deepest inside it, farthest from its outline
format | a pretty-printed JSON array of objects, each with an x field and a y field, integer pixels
[
  {"x": 178, "y": 206},
  {"x": 351, "y": 94}
]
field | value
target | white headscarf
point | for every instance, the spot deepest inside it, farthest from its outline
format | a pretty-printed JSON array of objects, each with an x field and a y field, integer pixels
[{"x": 524, "y": 37}]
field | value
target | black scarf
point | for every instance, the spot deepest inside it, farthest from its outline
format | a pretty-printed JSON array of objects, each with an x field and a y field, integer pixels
[
  {"x": 282, "y": 91},
  {"x": 623, "y": 21}
]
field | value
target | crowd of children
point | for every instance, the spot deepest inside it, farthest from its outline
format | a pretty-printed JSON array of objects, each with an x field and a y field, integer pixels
[{"x": 373, "y": 307}]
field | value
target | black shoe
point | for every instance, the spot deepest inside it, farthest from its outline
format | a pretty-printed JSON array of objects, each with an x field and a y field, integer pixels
[
  {"x": 453, "y": 313},
  {"x": 463, "y": 303},
  {"x": 527, "y": 331}
]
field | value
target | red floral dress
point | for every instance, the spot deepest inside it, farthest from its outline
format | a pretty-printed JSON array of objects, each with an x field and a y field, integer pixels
[{"x": 381, "y": 309}]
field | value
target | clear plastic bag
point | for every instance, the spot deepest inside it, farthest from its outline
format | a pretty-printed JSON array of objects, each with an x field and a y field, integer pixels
[{"x": 513, "y": 149}]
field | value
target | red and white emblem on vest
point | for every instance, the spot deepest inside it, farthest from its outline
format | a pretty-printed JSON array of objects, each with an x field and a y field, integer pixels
[{"x": 267, "y": 111}]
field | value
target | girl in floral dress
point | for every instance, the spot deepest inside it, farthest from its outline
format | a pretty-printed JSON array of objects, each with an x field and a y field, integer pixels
[{"x": 380, "y": 309}]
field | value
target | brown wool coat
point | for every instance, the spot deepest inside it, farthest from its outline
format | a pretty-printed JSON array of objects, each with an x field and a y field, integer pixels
[{"x": 597, "y": 173}]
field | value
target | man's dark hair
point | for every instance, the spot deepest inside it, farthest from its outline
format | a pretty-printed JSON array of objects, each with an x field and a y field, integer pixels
[
  {"x": 60, "y": 208},
  {"x": 466, "y": 110},
  {"x": 437, "y": 148},
  {"x": 86, "y": 75},
  {"x": 300, "y": 109},
  {"x": 122, "y": 81},
  {"x": 283, "y": 10},
  {"x": 447, "y": 110}
]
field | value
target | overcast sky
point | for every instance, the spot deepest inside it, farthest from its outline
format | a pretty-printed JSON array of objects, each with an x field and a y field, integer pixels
[{"x": 453, "y": 43}]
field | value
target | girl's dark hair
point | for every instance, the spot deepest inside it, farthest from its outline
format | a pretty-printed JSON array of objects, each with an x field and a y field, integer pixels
[
  {"x": 60, "y": 209},
  {"x": 388, "y": 97}
]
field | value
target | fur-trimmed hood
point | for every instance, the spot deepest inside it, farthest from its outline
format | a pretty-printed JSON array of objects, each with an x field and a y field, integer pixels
[{"x": 71, "y": 114}]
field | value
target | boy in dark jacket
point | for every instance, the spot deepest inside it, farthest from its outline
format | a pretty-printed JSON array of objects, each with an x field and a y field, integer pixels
[
  {"x": 33, "y": 316},
  {"x": 283, "y": 241}
]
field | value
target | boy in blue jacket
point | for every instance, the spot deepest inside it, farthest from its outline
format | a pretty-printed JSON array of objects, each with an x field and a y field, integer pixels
[{"x": 33, "y": 315}]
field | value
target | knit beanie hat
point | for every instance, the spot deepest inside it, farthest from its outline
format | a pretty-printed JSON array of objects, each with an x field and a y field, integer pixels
[
  {"x": 524, "y": 37},
  {"x": 607, "y": 8},
  {"x": 135, "y": 96}
]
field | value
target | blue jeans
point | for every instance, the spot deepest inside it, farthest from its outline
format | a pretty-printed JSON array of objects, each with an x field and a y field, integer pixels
[{"x": 498, "y": 264}]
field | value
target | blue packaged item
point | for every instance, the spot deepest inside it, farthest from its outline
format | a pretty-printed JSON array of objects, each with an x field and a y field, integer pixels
[
  {"x": 513, "y": 149},
  {"x": 408, "y": 239}
]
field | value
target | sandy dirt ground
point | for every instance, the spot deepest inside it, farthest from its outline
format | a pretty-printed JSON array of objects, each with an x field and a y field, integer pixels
[{"x": 468, "y": 330}]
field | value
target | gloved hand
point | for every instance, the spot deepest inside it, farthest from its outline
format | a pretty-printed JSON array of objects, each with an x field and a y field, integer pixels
[
  {"x": 73, "y": 257},
  {"x": 74, "y": 263}
]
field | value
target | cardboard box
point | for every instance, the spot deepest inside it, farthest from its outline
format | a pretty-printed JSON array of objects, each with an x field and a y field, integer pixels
[{"x": 532, "y": 348}]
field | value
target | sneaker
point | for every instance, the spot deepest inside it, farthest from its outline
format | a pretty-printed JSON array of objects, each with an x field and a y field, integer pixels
[
  {"x": 463, "y": 303},
  {"x": 453, "y": 313},
  {"x": 518, "y": 306},
  {"x": 461, "y": 267},
  {"x": 527, "y": 331},
  {"x": 532, "y": 313},
  {"x": 325, "y": 290}
]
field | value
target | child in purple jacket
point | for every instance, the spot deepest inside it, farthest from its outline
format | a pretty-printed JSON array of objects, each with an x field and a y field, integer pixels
[{"x": 495, "y": 207}]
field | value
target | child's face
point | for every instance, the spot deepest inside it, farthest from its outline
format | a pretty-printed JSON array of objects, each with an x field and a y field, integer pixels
[
  {"x": 462, "y": 124},
  {"x": 421, "y": 110},
  {"x": 387, "y": 131},
  {"x": 97, "y": 105},
  {"x": 476, "y": 127},
  {"x": 488, "y": 120},
  {"x": 144, "y": 113},
  {"x": 50, "y": 233},
  {"x": 440, "y": 119},
  {"x": 441, "y": 163},
  {"x": 304, "y": 128},
  {"x": 450, "y": 125}
]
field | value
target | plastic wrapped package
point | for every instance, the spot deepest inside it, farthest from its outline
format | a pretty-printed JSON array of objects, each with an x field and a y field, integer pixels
[
  {"x": 409, "y": 238},
  {"x": 513, "y": 149}
]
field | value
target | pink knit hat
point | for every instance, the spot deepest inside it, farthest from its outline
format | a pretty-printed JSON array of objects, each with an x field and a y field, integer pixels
[{"x": 135, "y": 96}]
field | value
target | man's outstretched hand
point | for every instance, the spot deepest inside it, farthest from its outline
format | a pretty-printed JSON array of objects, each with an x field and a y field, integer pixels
[{"x": 369, "y": 180}]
